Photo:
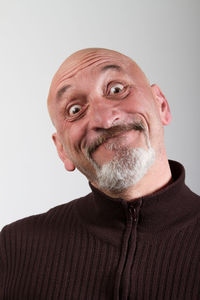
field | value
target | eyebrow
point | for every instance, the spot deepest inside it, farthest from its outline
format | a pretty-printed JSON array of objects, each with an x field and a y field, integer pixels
[
  {"x": 108, "y": 67},
  {"x": 62, "y": 91}
]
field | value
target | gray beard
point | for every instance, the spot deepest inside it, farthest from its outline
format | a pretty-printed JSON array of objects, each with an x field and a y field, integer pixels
[{"x": 126, "y": 169}]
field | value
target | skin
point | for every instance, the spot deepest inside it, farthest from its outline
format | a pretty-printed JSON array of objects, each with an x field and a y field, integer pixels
[{"x": 94, "y": 90}]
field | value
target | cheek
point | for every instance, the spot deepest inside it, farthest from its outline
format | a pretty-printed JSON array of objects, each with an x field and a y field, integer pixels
[
  {"x": 141, "y": 101},
  {"x": 72, "y": 138}
]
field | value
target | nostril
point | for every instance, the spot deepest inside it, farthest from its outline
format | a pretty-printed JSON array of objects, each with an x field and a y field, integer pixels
[{"x": 116, "y": 121}]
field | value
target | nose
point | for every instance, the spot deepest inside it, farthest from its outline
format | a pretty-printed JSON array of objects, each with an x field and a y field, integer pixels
[{"x": 104, "y": 115}]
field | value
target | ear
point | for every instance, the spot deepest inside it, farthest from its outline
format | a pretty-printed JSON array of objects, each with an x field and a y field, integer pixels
[
  {"x": 69, "y": 166},
  {"x": 163, "y": 106}
]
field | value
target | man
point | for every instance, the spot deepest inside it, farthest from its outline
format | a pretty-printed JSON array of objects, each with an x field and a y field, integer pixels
[{"x": 136, "y": 235}]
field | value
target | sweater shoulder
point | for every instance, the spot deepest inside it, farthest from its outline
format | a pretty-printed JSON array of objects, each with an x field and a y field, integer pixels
[{"x": 55, "y": 217}]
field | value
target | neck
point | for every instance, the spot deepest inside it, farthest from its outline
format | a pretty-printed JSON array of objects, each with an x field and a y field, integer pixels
[{"x": 157, "y": 177}]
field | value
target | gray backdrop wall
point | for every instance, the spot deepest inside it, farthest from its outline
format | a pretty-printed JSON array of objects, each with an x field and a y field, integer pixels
[{"x": 36, "y": 36}]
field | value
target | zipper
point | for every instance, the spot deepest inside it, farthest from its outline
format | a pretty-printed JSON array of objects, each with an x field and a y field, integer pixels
[
  {"x": 132, "y": 213},
  {"x": 122, "y": 286}
]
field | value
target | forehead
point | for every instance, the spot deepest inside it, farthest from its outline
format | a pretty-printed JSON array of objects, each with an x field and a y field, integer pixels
[{"x": 89, "y": 63}]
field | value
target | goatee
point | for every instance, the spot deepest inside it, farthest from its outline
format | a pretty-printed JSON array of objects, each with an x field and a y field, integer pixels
[{"x": 128, "y": 166}]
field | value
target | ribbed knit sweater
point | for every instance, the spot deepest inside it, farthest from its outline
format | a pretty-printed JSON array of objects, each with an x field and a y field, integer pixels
[{"x": 97, "y": 247}]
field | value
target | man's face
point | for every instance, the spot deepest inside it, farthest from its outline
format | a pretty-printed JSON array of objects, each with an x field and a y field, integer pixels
[{"x": 101, "y": 105}]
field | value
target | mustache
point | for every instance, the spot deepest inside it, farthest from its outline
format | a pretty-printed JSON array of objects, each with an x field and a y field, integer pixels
[{"x": 113, "y": 132}]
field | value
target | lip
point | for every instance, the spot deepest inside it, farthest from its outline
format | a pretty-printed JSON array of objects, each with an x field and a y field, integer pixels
[
  {"x": 116, "y": 131},
  {"x": 116, "y": 136},
  {"x": 109, "y": 139},
  {"x": 122, "y": 139}
]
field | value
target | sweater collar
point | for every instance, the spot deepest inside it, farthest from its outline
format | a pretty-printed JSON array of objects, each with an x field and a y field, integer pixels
[
  {"x": 156, "y": 212},
  {"x": 178, "y": 175}
]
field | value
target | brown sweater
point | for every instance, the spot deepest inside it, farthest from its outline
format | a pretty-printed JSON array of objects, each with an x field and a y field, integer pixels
[{"x": 101, "y": 248}]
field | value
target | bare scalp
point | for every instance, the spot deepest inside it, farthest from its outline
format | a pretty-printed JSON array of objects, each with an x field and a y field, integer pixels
[{"x": 83, "y": 59}]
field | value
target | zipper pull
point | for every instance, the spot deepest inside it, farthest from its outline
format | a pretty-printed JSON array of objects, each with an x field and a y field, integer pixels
[{"x": 133, "y": 212}]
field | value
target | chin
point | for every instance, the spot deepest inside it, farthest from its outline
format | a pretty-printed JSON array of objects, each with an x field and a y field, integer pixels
[{"x": 126, "y": 169}]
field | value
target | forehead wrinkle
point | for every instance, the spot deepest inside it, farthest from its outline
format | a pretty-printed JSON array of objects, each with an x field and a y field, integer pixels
[
  {"x": 82, "y": 64},
  {"x": 73, "y": 71},
  {"x": 104, "y": 69}
]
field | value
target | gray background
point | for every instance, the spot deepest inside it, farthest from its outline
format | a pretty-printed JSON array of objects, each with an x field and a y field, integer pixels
[{"x": 36, "y": 36}]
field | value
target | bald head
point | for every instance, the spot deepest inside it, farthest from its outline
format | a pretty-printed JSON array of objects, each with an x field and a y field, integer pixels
[{"x": 83, "y": 59}]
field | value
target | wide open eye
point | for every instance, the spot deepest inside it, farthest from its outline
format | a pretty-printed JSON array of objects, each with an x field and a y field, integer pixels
[
  {"x": 74, "y": 109},
  {"x": 116, "y": 89}
]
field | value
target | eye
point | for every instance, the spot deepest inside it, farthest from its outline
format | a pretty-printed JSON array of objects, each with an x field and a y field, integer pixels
[
  {"x": 74, "y": 109},
  {"x": 116, "y": 89}
]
